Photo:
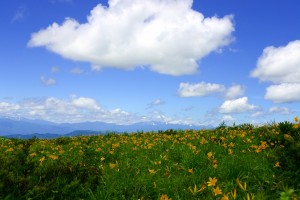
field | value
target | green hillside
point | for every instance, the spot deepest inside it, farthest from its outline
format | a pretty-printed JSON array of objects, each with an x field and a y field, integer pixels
[{"x": 239, "y": 162}]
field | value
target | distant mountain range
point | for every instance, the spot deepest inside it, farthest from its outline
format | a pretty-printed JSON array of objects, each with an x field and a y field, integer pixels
[{"x": 25, "y": 128}]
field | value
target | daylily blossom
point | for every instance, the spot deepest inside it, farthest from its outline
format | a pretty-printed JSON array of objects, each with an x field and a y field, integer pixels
[{"x": 212, "y": 181}]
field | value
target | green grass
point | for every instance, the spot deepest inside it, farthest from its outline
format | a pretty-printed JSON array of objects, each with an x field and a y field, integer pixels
[{"x": 253, "y": 162}]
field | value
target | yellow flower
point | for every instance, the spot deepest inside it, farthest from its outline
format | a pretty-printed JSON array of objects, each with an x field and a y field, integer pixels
[
  {"x": 115, "y": 146},
  {"x": 42, "y": 159},
  {"x": 288, "y": 137},
  {"x": 217, "y": 191},
  {"x": 151, "y": 171},
  {"x": 102, "y": 158},
  {"x": 158, "y": 163},
  {"x": 53, "y": 157},
  {"x": 32, "y": 154},
  {"x": 191, "y": 171},
  {"x": 10, "y": 149},
  {"x": 111, "y": 165},
  {"x": 296, "y": 119},
  {"x": 225, "y": 197},
  {"x": 203, "y": 141},
  {"x": 277, "y": 164},
  {"x": 164, "y": 197},
  {"x": 212, "y": 181},
  {"x": 111, "y": 152},
  {"x": 231, "y": 144},
  {"x": 263, "y": 145},
  {"x": 209, "y": 155},
  {"x": 98, "y": 149},
  {"x": 258, "y": 150}
]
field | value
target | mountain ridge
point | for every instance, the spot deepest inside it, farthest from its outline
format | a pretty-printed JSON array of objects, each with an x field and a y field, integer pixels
[{"x": 23, "y": 128}]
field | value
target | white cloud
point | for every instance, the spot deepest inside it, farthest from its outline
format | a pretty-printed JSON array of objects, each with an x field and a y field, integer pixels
[
  {"x": 206, "y": 89},
  {"x": 158, "y": 116},
  {"x": 227, "y": 118},
  {"x": 283, "y": 93},
  {"x": 77, "y": 70},
  {"x": 236, "y": 106},
  {"x": 8, "y": 107},
  {"x": 75, "y": 109},
  {"x": 165, "y": 35},
  {"x": 86, "y": 103},
  {"x": 279, "y": 65},
  {"x": 48, "y": 82},
  {"x": 271, "y": 111},
  {"x": 156, "y": 102},
  {"x": 279, "y": 110},
  {"x": 80, "y": 109},
  {"x": 199, "y": 89},
  {"x": 234, "y": 92}
]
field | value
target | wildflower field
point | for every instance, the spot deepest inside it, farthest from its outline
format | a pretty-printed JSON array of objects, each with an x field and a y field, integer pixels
[{"x": 237, "y": 162}]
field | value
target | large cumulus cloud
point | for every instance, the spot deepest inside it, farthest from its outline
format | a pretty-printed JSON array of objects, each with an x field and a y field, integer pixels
[
  {"x": 281, "y": 66},
  {"x": 168, "y": 36}
]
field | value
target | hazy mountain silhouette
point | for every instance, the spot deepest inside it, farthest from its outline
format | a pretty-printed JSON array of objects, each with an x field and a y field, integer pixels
[{"x": 25, "y": 128}]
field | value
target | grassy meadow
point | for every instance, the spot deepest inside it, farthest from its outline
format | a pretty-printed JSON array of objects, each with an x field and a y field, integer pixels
[{"x": 236, "y": 162}]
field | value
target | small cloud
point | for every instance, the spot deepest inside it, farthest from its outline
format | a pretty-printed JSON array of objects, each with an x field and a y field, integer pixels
[
  {"x": 219, "y": 51},
  {"x": 48, "y": 82},
  {"x": 199, "y": 89},
  {"x": 86, "y": 103},
  {"x": 234, "y": 92},
  {"x": 237, "y": 106},
  {"x": 279, "y": 110},
  {"x": 96, "y": 68},
  {"x": 54, "y": 70},
  {"x": 77, "y": 70},
  {"x": 271, "y": 111},
  {"x": 156, "y": 102},
  {"x": 207, "y": 89},
  {"x": 227, "y": 118},
  {"x": 283, "y": 93}
]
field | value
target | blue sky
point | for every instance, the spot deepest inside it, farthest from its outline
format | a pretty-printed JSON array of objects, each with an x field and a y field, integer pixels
[{"x": 128, "y": 61}]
